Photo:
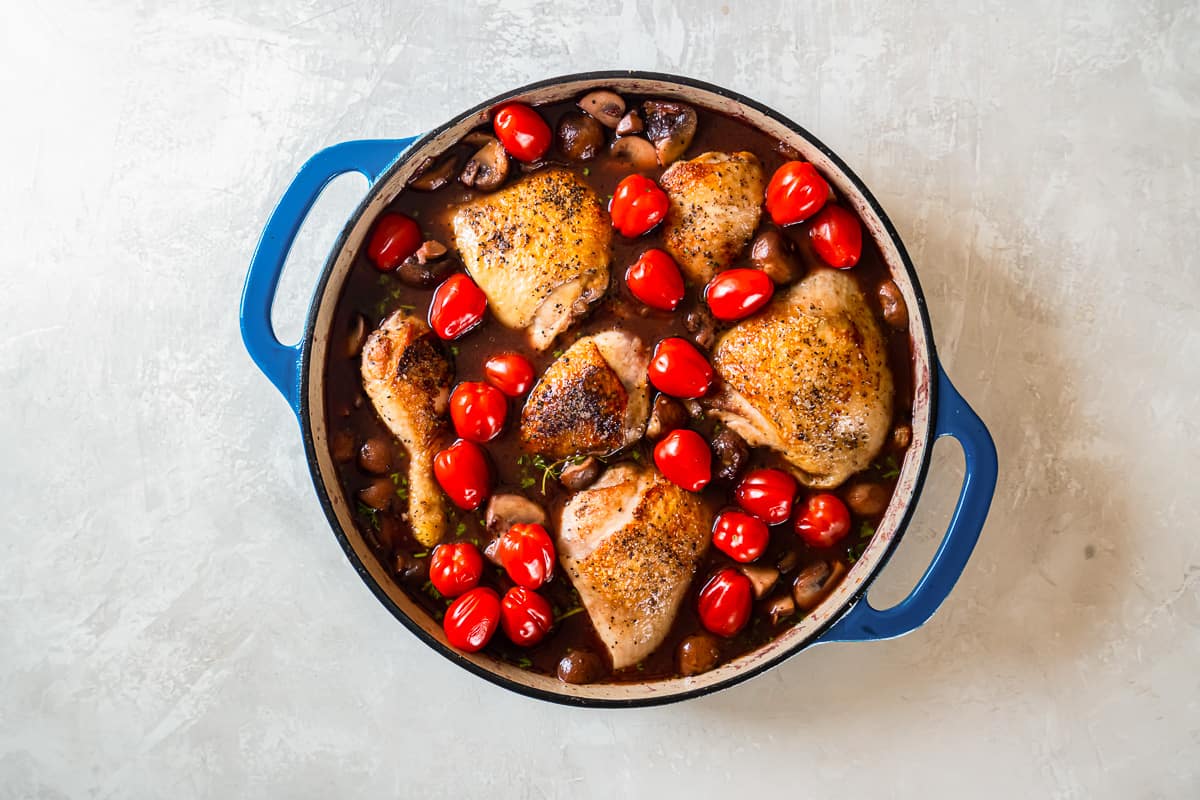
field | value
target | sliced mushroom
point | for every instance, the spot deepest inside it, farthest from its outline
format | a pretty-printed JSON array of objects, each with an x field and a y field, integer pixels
[
  {"x": 701, "y": 325},
  {"x": 667, "y": 415},
  {"x": 671, "y": 126},
  {"x": 506, "y": 510},
  {"x": 605, "y": 106},
  {"x": 895, "y": 310},
  {"x": 788, "y": 561},
  {"x": 433, "y": 174},
  {"x": 762, "y": 579},
  {"x": 423, "y": 270},
  {"x": 629, "y": 124},
  {"x": 487, "y": 169},
  {"x": 411, "y": 569},
  {"x": 772, "y": 252},
  {"x": 578, "y": 477},
  {"x": 814, "y": 582},
  {"x": 477, "y": 139},
  {"x": 635, "y": 153},
  {"x": 579, "y": 136},
  {"x": 780, "y": 607},
  {"x": 732, "y": 454},
  {"x": 358, "y": 335}
]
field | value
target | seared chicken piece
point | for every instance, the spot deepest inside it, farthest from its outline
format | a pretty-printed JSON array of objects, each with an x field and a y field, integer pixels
[
  {"x": 808, "y": 377},
  {"x": 407, "y": 376},
  {"x": 539, "y": 251},
  {"x": 716, "y": 202},
  {"x": 592, "y": 400},
  {"x": 630, "y": 544}
]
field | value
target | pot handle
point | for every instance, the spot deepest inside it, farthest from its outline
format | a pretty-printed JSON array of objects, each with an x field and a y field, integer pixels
[
  {"x": 955, "y": 418},
  {"x": 280, "y": 362}
]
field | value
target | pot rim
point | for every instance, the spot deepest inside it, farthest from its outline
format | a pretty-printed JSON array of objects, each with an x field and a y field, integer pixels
[{"x": 306, "y": 424}]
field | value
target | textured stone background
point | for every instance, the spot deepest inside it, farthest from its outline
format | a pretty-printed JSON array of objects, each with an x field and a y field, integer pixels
[{"x": 177, "y": 621}]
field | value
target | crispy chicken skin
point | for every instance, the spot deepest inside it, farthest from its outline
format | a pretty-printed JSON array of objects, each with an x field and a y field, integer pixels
[
  {"x": 808, "y": 377},
  {"x": 716, "y": 202},
  {"x": 539, "y": 250},
  {"x": 407, "y": 376},
  {"x": 592, "y": 400},
  {"x": 631, "y": 544}
]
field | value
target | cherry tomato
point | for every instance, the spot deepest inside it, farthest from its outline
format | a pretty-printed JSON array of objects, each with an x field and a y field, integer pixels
[
  {"x": 527, "y": 554},
  {"x": 525, "y": 616},
  {"x": 738, "y": 293},
  {"x": 511, "y": 373},
  {"x": 823, "y": 521},
  {"x": 685, "y": 459},
  {"x": 655, "y": 280},
  {"x": 837, "y": 237},
  {"x": 767, "y": 494},
  {"x": 472, "y": 619},
  {"x": 679, "y": 369},
  {"x": 724, "y": 602},
  {"x": 637, "y": 206},
  {"x": 395, "y": 238},
  {"x": 795, "y": 193},
  {"x": 457, "y": 307},
  {"x": 455, "y": 568},
  {"x": 463, "y": 472},
  {"x": 740, "y": 536},
  {"x": 522, "y": 131},
  {"x": 478, "y": 411}
]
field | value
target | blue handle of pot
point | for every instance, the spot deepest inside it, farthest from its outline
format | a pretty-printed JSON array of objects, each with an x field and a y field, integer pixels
[
  {"x": 955, "y": 418},
  {"x": 280, "y": 362}
]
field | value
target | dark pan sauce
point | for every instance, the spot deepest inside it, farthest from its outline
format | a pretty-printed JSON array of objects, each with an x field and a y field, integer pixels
[{"x": 352, "y": 420}]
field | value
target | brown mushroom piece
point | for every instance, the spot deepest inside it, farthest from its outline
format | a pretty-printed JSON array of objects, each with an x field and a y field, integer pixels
[
  {"x": 375, "y": 455},
  {"x": 603, "y": 106},
  {"x": 698, "y": 653},
  {"x": 580, "y": 666},
  {"x": 666, "y": 415},
  {"x": 434, "y": 174},
  {"x": 427, "y": 267},
  {"x": 358, "y": 335},
  {"x": 410, "y": 568},
  {"x": 341, "y": 445},
  {"x": 731, "y": 454},
  {"x": 701, "y": 325},
  {"x": 788, "y": 561},
  {"x": 505, "y": 510},
  {"x": 762, "y": 579},
  {"x": 895, "y": 310},
  {"x": 780, "y": 607},
  {"x": 578, "y": 477},
  {"x": 814, "y": 582},
  {"x": 867, "y": 498},
  {"x": 902, "y": 436},
  {"x": 377, "y": 494},
  {"x": 671, "y": 126},
  {"x": 629, "y": 124},
  {"x": 773, "y": 253},
  {"x": 579, "y": 136},
  {"x": 635, "y": 153},
  {"x": 487, "y": 169}
]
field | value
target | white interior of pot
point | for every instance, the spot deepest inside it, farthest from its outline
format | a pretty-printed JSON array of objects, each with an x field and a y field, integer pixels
[{"x": 833, "y": 605}]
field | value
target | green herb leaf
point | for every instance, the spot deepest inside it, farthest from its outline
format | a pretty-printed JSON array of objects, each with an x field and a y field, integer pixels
[
  {"x": 866, "y": 531},
  {"x": 527, "y": 481},
  {"x": 569, "y": 613},
  {"x": 460, "y": 529},
  {"x": 423, "y": 554},
  {"x": 524, "y": 663}
]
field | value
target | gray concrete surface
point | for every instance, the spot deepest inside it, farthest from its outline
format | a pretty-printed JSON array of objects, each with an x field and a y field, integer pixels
[{"x": 176, "y": 619}]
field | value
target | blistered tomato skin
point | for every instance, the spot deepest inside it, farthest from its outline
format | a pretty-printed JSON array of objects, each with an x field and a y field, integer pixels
[
  {"x": 823, "y": 521},
  {"x": 472, "y": 619},
  {"x": 724, "y": 602},
  {"x": 836, "y": 235},
  {"x": 457, "y": 307},
  {"x": 395, "y": 238},
  {"x": 477, "y": 410},
  {"x": 463, "y": 472},
  {"x": 685, "y": 459},
  {"x": 525, "y": 616},
  {"x": 655, "y": 280},
  {"x": 796, "y": 192},
  {"x": 740, "y": 536},
  {"x": 637, "y": 206},
  {"x": 527, "y": 554},
  {"x": 767, "y": 494},
  {"x": 511, "y": 373},
  {"x": 455, "y": 568},
  {"x": 522, "y": 131},
  {"x": 737, "y": 293},
  {"x": 677, "y": 368}
]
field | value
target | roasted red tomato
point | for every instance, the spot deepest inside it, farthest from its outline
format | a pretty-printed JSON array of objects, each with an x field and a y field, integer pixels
[
  {"x": 522, "y": 131},
  {"x": 823, "y": 521},
  {"x": 527, "y": 554},
  {"x": 455, "y": 568},
  {"x": 655, "y": 280},
  {"x": 738, "y": 293},
  {"x": 525, "y": 616},
  {"x": 767, "y": 494},
  {"x": 457, "y": 307},
  {"x": 795, "y": 193},
  {"x": 472, "y": 619},
  {"x": 725, "y": 602},
  {"x": 837, "y": 237},
  {"x": 511, "y": 373},
  {"x": 637, "y": 206},
  {"x": 395, "y": 238},
  {"x": 463, "y": 472},
  {"x": 740, "y": 536},
  {"x": 679, "y": 369},
  {"x": 477, "y": 410},
  {"x": 684, "y": 458}
]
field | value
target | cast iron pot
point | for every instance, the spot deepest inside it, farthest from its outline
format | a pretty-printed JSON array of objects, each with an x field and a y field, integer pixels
[{"x": 844, "y": 616}]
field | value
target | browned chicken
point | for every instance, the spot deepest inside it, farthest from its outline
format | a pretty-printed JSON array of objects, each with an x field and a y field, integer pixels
[
  {"x": 407, "y": 376},
  {"x": 539, "y": 250},
  {"x": 592, "y": 400},
  {"x": 716, "y": 202},
  {"x": 809, "y": 378},
  {"x": 630, "y": 544}
]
